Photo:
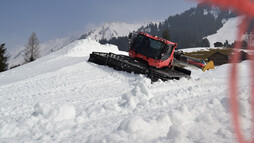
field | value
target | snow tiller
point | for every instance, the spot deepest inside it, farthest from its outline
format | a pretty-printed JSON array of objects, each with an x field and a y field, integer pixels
[{"x": 152, "y": 56}]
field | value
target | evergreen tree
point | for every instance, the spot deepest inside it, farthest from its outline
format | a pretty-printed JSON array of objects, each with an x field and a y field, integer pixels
[
  {"x": 226, "y": 44},
  {"x": 205, "y": 43},
  {"x": 32, "y": 49},
  {"x": 166, "y": 35},
  {"x": 3, "y": 58}
]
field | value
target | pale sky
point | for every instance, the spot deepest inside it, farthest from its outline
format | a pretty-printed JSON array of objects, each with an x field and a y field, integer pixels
[{"x": 52, "y": 19}]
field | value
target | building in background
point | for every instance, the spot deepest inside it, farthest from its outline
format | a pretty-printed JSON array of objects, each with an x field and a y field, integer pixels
[{"x": 218, "y": 58}]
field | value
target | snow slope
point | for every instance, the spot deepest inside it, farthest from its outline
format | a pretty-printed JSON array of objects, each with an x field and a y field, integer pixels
[
  {"x": 227, "y": 32},
  {"x": 63, "y": 98},
  {"x": 16, "y": 55},
  {"x": 106, "y": 31}
]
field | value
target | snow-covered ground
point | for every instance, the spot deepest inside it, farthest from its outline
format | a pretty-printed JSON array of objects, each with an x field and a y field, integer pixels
[
  {"x": 63, "y": 98},
  {"x": 196, "y": 49}
]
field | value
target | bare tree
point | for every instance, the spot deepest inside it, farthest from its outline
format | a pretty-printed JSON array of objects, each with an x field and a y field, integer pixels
[{"x": 32, "y": 51}]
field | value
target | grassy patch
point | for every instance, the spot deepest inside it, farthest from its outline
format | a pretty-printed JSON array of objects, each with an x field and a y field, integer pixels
[{"x": 204, "y": 54}]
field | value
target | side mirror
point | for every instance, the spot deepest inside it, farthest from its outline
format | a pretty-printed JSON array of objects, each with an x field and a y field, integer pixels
[{"x": 130, "y": 35}]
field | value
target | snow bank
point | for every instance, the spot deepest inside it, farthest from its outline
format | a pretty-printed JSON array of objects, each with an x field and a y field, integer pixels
[
  {"x": 64, "y": 112},
  {"x": 43, "y": 123},
  {"x": 136, "y": 129},
  {"x": 195, "y": 49},
  {"x": 83, "y": 48},
  {"x": 139, "y": 96},
  {"x": 193, "y": 125},
  {"x": 203, "y": 122}
]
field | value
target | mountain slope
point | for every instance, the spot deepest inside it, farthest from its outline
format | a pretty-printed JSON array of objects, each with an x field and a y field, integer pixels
[
  {"x": 187, "y": 29},
  {"x": 227, "y": 32},
  {"x": 107, "y": 31},
  {"x": 63, "y": 98},
  {"x": 16, "y": 55},
  {"x": 111, "y": 30}
]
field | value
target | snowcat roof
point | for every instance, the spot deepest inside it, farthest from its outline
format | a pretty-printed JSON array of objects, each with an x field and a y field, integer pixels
[{"x": 157, "y": 38}]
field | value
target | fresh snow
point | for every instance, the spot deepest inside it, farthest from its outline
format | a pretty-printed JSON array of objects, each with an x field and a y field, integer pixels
[{"x": 63, "y": 98}]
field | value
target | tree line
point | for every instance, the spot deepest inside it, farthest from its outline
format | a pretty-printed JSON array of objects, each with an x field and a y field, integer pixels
[{"x": 188, "y": 29}]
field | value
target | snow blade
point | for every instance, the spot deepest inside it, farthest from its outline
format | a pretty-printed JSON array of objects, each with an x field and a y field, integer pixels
[
  {"x": 128, "y": 64},
  {"x": 208, "y": 66}
]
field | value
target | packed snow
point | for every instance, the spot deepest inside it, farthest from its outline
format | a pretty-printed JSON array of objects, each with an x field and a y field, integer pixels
[{"x": 63, "y": 98}]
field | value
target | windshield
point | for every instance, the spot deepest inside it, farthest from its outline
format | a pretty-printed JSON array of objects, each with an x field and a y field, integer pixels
[{"x": 148, "y": 47}]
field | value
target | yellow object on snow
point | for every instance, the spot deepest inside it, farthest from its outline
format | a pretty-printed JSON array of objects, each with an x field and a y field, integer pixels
[{"x": 209, "y": 65}]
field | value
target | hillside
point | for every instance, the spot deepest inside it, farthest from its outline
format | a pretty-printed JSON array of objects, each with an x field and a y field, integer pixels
[
  {"x": 16, "y": 55},
  {"x": 227, "y": 32},
  {"x": 187, "y": 29},
  {"x": 63, "y": 98},
  {"x": 106, "y": 31}
]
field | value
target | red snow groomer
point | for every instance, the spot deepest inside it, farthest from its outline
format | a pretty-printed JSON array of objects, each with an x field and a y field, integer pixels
[{"x": 152, "y": 56}]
